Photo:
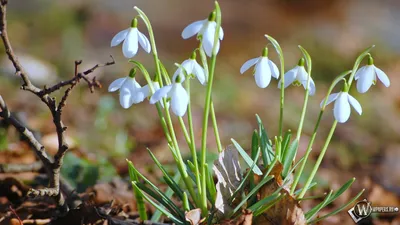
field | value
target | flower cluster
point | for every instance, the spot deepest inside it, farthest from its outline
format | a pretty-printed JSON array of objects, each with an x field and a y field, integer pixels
[
  {"x": 367, "y": 75},
  {"x": 131, "y": 91}
]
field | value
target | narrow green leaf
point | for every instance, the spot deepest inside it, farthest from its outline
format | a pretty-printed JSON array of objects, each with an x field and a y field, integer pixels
[
  {"x": 254, "y": 145},
  {"x": 276, "y": 45},
  {"x": 340, "y": 191},
  {"x": 309, "y": 187},
  {"x": 157, "y": 214},
  {"x": 318, "y": 207},
  {"x": 265, "y": 207},
  {"x": 289, "y": 157},
  {"x": 185, "y": 202},
  {"x": 264, "y": 201},
  {"x": 265, "y": 144},
  {"x": 334, "y": 212},
  {"x": 252, "y": 192},
  {"x": 246, "y": 158},
  {"x": 285, "y": 143},
  {"x": 167, "y": 178},
  {"x": 211, "y": 189},
  {"x": 162, "y": 209},
  {"x": 138, "y": 194}
]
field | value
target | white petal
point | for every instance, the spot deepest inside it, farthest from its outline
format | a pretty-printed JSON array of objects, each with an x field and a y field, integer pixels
[
  {"x": 274, "y": 69},
  {"x": 249, "y": 63},
  {"x": 331, "y": 98},
  {"x": 262, "y": 73},
  {"x": 382, "y": 77},
  {"x": 160, "y": 93},
  {"x": 208, "y": 39},
  {"x": 118, "y": 38},
  {"x": 192, "y": 29},
  {"x": 199, "y": 73},
  {"x": 144, "y": 42},
  {"x": 116, "y": 84},
  {"x": 289, "y": 77},
  {"x": 221, "y": 34},
  {"x": 136, "y": 95},
  {"x": 356, "y": 105},
  {"x": 146, "y": 90},
  {"x": 188, "y": 64},
  {"x": 130, "y": 46},
  {"x": 179, "y": 100},
  {"x": 360, "y": 72},
  {"x": 179, "y": 73},
  {"x": 341, "y": 110},
  {"x": 312, "y": 87},
  {"x": 126, "y": 93},
  {"x": 365, "y": 80},
  {"x": 302, "y": 74}
]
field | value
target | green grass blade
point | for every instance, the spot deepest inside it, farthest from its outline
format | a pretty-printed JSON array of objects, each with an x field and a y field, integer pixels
[
  {"x": 246, "y": 158},
  {"x": 334, "y": 212},
  {"x": 289, "y": 157},
  {"x": 318, "y": 207},
  {"x": 285, "y": 143},
  {"x": 157, "y": 214},
  {"x": 266, "y": 148},
  {"x": 268, "y": 205},
  {"x": 138, "y": 194},
  {"x": 162, "y": 209},
  {"x": 264, "y": 201}
]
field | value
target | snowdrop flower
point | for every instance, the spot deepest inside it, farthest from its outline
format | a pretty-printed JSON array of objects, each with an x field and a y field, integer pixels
[
  {"x": 341, "y": 109},
  {"x": 298, "y": 76},
  {"x": 130, "y": 91},
  {"x": 366, "y": 76},
  {"x": 131, "y": 37},
  {"x": 175, "y": 91},
  {"x": 192, "y": 67},
  {"x": 263, "y": 69},
  {"x": 206, "y": 29}
]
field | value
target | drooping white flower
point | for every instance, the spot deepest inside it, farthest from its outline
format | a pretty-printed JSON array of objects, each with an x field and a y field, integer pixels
[
  {"x": 192, "y": 67},
  {"x": 176, "y": 93},
  {"x": 367, "y": 75},
  {"x": 298, "y": 76},
  {"x": 131, "y": 37},
  {"x": 341, "y": 109},
  {"x": 130, "y": 91},
  {"x": 263, "y": 69},
  {"x": 206, "y": 29}
]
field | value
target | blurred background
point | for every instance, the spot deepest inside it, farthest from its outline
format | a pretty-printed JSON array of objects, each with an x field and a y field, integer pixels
[{"x": 48, "y": 36}]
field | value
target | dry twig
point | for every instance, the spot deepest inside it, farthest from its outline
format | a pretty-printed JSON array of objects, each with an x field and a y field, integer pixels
[{"x": 52, "y": 166}]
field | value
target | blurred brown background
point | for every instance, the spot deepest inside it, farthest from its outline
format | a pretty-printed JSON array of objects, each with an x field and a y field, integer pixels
[{"x": 51, "y": 35}]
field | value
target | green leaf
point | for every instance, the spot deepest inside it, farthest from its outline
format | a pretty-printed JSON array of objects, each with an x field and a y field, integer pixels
[
  {"x": 268, "y": 205},
  {"x": 264, "y": 201},
  {"x": 246, "y": 158},
  {"x": 138, "y": 194},
  {"x": 318, "y": 207},
  {"x": 167, "y": 178},
  {"x": 285, "y": 143},
  {"x": 157, "y": 214},
  {"x": 276, "y": 45},
  {"x": 252, "y": 192},
  {"x": 344, "y": 206},
  {"x": 289, "y": 157},
  {"x": 212, "y": 191},
  {"x": 265, "y": 145},
  {"x": 309, "y": 187},
  {"x": 162, "y": 209},
  {"x": 254, "y": 145}
]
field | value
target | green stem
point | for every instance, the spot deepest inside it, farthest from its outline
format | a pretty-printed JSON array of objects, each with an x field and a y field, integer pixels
[
  {"x": 206, "y": 114},
  {"x": 152, "y": 42},
  {"x": 181, "y": 165},
  {"x": 185, "y": 132},
  {"x": 215, "y": 125},
  {"x": 319, "y": 160},
  {"x": 308, "y": 151},
  {"x": 193, "y": 144}
]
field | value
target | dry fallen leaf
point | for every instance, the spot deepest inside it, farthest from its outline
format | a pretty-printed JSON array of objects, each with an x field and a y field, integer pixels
[
  {"x": 287, "y": 210},
  {"x": 229, "y": 175},
  {"x": 194, "y": 216}
]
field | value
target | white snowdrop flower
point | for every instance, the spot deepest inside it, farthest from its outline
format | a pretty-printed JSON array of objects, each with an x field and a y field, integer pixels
[
  {"x": 298, "y": 76},
  {"x": 192, "y": 67},
  {"x": 341, "y": 109},
  {"x": 206, "y": 29},
  {"x": 130, "y": 91},
  {"x": 131, "y": 37},
  {"x": 366, "y": 76},
  {"x": 175, "y": 93},
  {"x": 263, "y": 69}
]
